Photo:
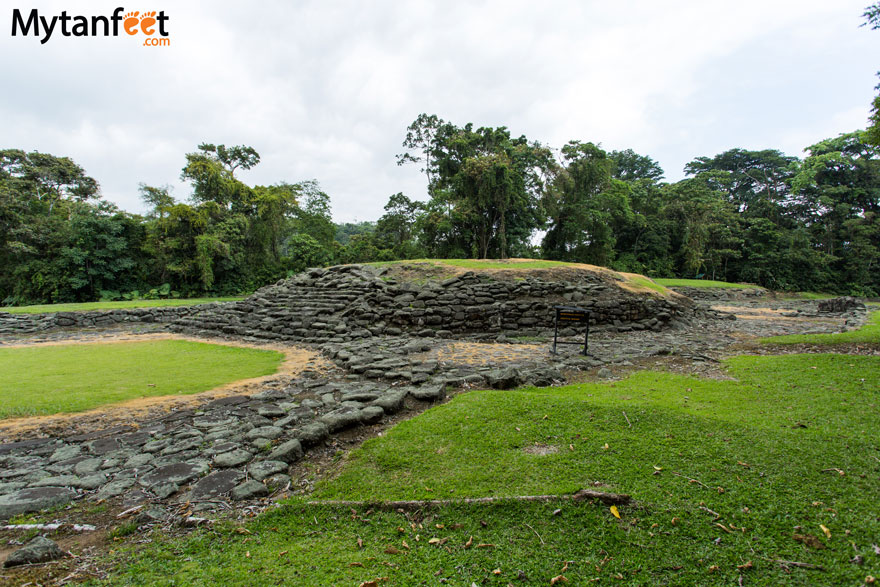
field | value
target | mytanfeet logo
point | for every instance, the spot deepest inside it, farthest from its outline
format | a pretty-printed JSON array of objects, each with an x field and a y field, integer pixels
[{"x": 148, "y": 24}]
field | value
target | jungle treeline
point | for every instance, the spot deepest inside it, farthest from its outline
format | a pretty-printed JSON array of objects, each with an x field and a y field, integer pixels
[{"x": 760, "y": 217}]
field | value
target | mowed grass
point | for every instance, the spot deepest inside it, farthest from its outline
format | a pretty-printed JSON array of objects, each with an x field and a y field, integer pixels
[
  {"x": 726, "y": 475},
  {"x": 671, "y": 282},
  {"x": 92, "y": 306},
  {"x": 869, "y": 333},
  {"x": 71, "y": 378}
]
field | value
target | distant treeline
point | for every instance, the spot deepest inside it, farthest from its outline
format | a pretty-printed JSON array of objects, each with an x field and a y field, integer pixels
[{"x": 753, "y": 216}]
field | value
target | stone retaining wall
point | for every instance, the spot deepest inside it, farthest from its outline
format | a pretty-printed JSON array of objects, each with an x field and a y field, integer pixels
[
  {"x": 30, "y": 323},
  {"x": 720, "y": 293},
  {"x": 351, "y": 302}
]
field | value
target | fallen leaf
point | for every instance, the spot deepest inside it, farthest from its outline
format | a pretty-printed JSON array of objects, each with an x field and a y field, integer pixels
[
  {"x": 745, "y": 567},
  {"x": 360, "y": 543},
  {"x": 674, "y": 521},
  {"x": 656, "y": 468},
  {"x": 496, "y": 572},
  {"x": 355, "y": 564},
  {"x": 746, "y": 465},
  {"x": 571, "y": 447},
  {"x": 565, "y": 568},
  {"x": 241, "y": 530},
  {"x": 391, "y": 550},
  {"x": 247, "y": 554},
  {"x": 605, "y": 446},
  {"x": 809, "y": 540},
  {"x": 713, "y": 568},
  {"x": 826, "y": 530},
  {"x": 434, "y": 541},
  {"x": 469, "y": 543},
  {"x": 614, "y": 511},
  {"x": 485, "y": 546},
  {"x": 405, "y": 545},
  {"x": 369, "y": 584},
  {"x": 558, "y": 579},
  {"x": 283, "y": 552},
  {"x": 723, "y": 527}
]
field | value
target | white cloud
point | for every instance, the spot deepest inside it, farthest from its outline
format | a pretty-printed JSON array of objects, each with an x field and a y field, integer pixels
[{"x": 326, "y": 90}]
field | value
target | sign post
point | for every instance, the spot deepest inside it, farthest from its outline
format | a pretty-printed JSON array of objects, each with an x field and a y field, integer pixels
[{"x": 571, "y": 315}]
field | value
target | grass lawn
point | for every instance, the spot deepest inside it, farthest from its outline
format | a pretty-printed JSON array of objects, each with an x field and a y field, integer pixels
[
  {"x": 71, "y": 378},
  {"x": 869, "y": 333},
  {"x": 670, "y": 282},
  {"x": 89, "y": 306},
  {"x": 788, "y": 447}
]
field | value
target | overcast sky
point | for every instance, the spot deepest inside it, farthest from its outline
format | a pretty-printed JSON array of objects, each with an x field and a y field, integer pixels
[{"x": 325, "y": 90}]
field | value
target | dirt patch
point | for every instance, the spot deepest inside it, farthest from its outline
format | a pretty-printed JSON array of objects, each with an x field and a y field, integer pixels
[
  {"x": 474, "y": 353},
  {"x": 296, "y": 360},
  {"x": 540, "y": 449}
]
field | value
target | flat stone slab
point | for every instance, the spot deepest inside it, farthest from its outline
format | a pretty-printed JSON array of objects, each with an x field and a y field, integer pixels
[
  {"x": 176, "y": 473},
  {"x": 427, "y": 393},
  {"x": 289, "y": 452},
  {"x": 233, "y": 458},
  {"x": 38, "y": 550},
  {"x": 34, "y": 499},
  {"x": 249, "y": 490},
  {"x": 262, "y": 469},
  {"x": 216, "y": 484}
]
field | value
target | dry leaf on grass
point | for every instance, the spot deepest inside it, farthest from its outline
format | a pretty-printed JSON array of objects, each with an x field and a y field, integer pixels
[
  {"x": 825, "y": 530},
  {"x": 809, "y": 540},
  {"x": 558, "y": 579},
  {"x": 614, "y": 511}
]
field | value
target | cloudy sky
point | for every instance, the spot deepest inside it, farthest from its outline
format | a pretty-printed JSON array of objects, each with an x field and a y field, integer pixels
[{"x": 325, "y": 89}]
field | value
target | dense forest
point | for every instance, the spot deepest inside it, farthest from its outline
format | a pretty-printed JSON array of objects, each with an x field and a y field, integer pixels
[{"x": 751, "y": 216}]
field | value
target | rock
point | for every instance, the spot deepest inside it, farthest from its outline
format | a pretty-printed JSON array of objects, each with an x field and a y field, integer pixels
[
  {"x": 232, "y": 458},
  {"x": 249, "y": 490},
  {"x": 371, "y": 414},
  {"x": 268, "y": 432},
  {"x": 503, "y": 378},
  {"x": 277, "y": 481},
  {"x": 288, "y": 452},
  {"x": 177, "y": 473},
  {"x": 341, "y": 419},
  {"x": 164, "y": 490},
  {"x": 262, "y": 469},
  {"x": 216, "y": 484},
  {"x": 64, "y": 453},
  {"x": 38, "y": 550},
  {"x": 313, "y": 433},
  {"x": 33, "y": 499},
  {"x": 391, "y": 401},
  {"x": 114, "y": 488},
  {"x": 605, "y": 373},
  {"x": 428, "y": 393}
]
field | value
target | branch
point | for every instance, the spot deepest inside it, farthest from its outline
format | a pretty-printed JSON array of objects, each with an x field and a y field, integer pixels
[{"x": 582, "y": 495}]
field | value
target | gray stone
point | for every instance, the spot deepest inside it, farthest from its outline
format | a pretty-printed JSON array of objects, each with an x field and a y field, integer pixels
[
  {"x": 277, "y": 481},
  {"x": 216, "y": 484},
  {"x": 428, "y": 393},
  {"x": 33, "y": 499},
  {"x": 114, "y": 488},
  {"x": 503, "y": 378},
  {"x": 289, "y": 452},
  {"x": 313, "y": 433},
  {"x": 38, "y": 550},
  {"x": 250, "y": 489},
  {"x": 177, "y": 473},
  {"x": 371, "y": 414},
  {"x": 391, "y": 401},
  {"x": 270, "y": 411},
  {"x": 233, "y": 458},
  {"x": 605, "y": 373},
  {"x": 138, "y": 460},
  {"x": 164, "y": 490},
  {"x": 88, "y": 466},
  {"x": 270, "y": 432},
  {"x": 261, "y": 469},
  {"x": 341, "y": 419},
  {"x": 64, "y": 453}
]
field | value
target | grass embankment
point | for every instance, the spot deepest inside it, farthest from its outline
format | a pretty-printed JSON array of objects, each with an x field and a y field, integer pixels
[
  {"x": 788, "y": 447},
  {"x": 52, "y": 379},
  {"x": 672, "y": 282},
  {"x": 869, "y": 333},
  {"x": 91, "y": 306}
]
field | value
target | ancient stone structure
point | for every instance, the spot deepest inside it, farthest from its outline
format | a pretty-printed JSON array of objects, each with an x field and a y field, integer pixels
[
  {"x": 351, "y": 302},
  {"x": 30, "y": 323},
  {"x": 720, "y": 293}
]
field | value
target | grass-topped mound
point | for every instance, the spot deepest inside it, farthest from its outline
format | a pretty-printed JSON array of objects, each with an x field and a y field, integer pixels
[
  {"x": 422, "y": 270},
  {"x": 704, "y": 283},
  {"x": 868, "y": 334},
  {"x": 51, "y": 379}
]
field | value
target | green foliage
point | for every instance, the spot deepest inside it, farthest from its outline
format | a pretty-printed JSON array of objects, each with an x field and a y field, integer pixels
[
  {"x": 73, "y": 378},
  {"x": 114, "y": 301}
]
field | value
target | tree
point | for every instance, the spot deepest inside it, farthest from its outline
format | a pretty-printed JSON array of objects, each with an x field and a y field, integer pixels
[
  {"x": 395, "y": 228},
  {"x": 629, "y": 166},
  {"x": 872, "y": 17},
  {"x": 234, "y": 157}
]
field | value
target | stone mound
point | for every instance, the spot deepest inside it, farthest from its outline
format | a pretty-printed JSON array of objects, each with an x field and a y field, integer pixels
[{"x": 351, "y": 302}]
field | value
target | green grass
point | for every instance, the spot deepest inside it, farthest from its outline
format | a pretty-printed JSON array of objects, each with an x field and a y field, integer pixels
[
  {"x": 91, "y": 306},
  {"x": 644, "y": 282},
  {"x": 70, "y": 378},
  {"x": 669, "y": 282},
  {"x": 869, "y": 333},
  {"x": 760, "y": 448},
  {"x": 480, "y": 263}
]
